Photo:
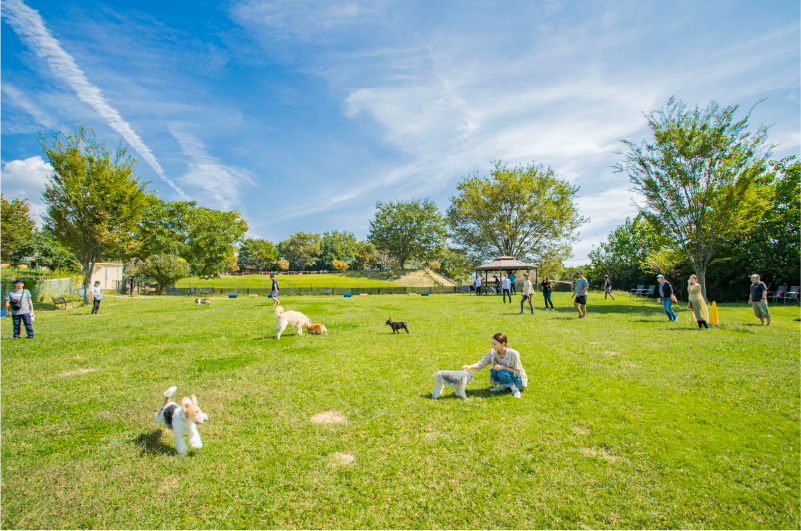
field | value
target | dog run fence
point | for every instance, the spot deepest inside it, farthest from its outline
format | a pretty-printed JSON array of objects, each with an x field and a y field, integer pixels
[{"x": 314, "y": 290}]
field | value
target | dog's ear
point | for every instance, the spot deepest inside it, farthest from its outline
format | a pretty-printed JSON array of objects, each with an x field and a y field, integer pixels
[
  {"x": 194, "y": 400},
  {"x": 186, "y": 403}
]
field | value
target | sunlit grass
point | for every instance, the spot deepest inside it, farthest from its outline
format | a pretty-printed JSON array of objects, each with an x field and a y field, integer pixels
[{"x": 629, "y": 421}]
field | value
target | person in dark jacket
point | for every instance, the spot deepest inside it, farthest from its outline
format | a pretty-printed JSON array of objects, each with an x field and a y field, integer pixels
[{"x": 665, "y": 291}]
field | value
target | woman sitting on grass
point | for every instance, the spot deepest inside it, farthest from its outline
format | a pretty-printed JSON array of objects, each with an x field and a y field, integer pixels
[{"x": 507, "y": 372}]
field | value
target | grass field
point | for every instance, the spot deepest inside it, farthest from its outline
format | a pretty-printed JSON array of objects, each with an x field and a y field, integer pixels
[
  {"x": 629, "y": 421},
  {"x": 332, "y": 280}
]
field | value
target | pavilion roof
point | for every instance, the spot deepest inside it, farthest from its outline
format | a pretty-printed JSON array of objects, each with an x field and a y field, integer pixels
[{"x": 504, "y": 263}]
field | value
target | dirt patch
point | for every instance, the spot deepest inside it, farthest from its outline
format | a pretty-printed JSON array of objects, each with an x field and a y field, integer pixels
[
  {"x": 328, "y": 418},
  {"x": 76, "y": 371},
  {"x": 343, "y": 459},
  {"x": 167, "y": 484},
  {"x": 611, "y": 353},
  {"x": 578, "y": 430},
  {"x": 602, "y": 452}
]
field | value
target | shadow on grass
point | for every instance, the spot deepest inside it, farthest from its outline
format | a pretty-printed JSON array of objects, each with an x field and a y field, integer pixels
[
  {"x": 478, "y": 393},
  {"x": 151, "y": 443}
]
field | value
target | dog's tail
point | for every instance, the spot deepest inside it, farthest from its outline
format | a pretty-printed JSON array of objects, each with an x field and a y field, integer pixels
[
  {"x": 169, "y": 392},
  {"x": 278, "y": 311}
]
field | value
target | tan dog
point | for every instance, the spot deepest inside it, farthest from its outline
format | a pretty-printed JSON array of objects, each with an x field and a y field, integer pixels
[
  {"x": 296, "y": 319},
  {"x": 316, "y": 329},
  {"x": 207, "y": 302}
]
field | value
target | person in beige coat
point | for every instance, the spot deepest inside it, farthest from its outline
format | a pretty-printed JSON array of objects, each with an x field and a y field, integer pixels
[
  {"x": 697, "y": 303},
  {"x": 528, "y": 290}
]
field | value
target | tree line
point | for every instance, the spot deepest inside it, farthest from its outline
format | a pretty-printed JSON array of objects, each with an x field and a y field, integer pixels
[{"x": 714, "y": 203}]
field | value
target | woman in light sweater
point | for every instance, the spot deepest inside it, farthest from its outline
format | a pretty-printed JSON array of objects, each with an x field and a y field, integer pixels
[
  {"x": 527, "y": 292},
  {"x": 507, "y": 372}
]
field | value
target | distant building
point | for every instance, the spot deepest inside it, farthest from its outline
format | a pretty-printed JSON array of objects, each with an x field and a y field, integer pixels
[{"x": 108, "y": 273}]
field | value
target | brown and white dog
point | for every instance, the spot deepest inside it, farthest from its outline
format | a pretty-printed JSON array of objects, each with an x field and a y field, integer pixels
[
  {"x": 296, "y": 319},
  {"x": 316, "y": 329},
  {"x": 182, "y": 420},
  {"x": 207, "y": 302}
]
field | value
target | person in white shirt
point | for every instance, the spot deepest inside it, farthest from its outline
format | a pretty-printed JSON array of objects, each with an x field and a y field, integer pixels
[
  {"x": 507, "y": 289},
  {"x": 528, "y": 290},
  {"x": 478, "y": 285},
  {"x": 96, "y": 297},
  {"x": 507, "y": 372}
]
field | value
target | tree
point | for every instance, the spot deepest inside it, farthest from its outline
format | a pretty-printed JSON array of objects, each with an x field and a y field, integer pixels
[
  {"x": 552, "y": 262},
  {"x": 211, "y": 241},
  {"x": 165, "y": 269},
  {"x": 700, "y": 177},
  {"x": 164, "y": 228},
  {"x": 622, "y": 255},
  {"x": 257, "y": 254},
  {"x": 520, "y": 212},
  {"x": 283, "y": 265},
  {"x": 16, "y": 225},
  {"x": 339, "y": 265},
  {"x": 364, "y": 256},
  {"x": 455, "y": 264},
  {"x": 407, "y": 230},
  {"x": 337, "y": 245},
  {"x": 301, "y": 249},
  {"x": 93, "y": 197}
]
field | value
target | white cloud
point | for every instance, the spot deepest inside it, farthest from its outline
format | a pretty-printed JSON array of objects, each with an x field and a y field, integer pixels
[
  {"x": 29, "y": 26},
  {"x": 26, "y": 179},
  {"x": 216, "y": 185},
  {"x": 18, "y": 99}
]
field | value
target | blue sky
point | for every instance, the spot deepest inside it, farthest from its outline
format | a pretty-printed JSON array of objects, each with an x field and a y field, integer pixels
[{"x": 302, "y": 114}]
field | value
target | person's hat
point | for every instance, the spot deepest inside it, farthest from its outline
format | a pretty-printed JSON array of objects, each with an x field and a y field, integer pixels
[
  {"x": 660, "y": 276},
  {"x": 97, "y": 282},
  {"x": 580, "y": 272},
  {"x": 19, "y": 280}
]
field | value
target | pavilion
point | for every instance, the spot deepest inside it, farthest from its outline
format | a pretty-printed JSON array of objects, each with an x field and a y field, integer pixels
[{"x": 506, "y": 263}]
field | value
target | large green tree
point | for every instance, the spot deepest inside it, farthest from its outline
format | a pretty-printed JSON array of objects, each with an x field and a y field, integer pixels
[
  {"x": 212, "y": 237},
  {"x": 364, "y": 256},
  {"x": 46, "y": 252},
  {"x": 93, "y": 197},
  {"x": 16, "y": 225},
  {"x": 164, "y": 228},
  {"x": 301, "y": 249},
  {"x": 165, "y": 269},
  {"x": 337, "y": 245},
  {"x": 520, "y": 212},
  {"x": 701, "y": 177},
  {"x": 408, "y": 230},
  {"x": 257, "y": 254}
]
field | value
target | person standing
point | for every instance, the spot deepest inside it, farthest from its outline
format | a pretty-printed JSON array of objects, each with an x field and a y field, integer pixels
[
  {"x": 19, "y": 301},
  {"x": 665, "y": 290},
  {"x": 759, "y": 300},
  {"x": 478, "y": 285},
  {"x": 528, "y": 290},
  {"x": 96, "y": 297},
  {"x": 274, "y": 292},
  {"x": 512, "y": 280},
  {"x": 507, "y": 372},
  {"x": 506, "y": 289},
  {"x": 582, "y": 287},
  {"x": 697, "y": 303},
  {"x": 607, "y": 285},
  {"x": 546, "y": 291}
]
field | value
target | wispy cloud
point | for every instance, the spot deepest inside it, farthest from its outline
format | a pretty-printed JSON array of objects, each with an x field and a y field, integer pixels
[
  {"x": 20, "y": 100},
  {"x": 217, "y": 185},
  {"x": 26, "y": 179},
  {"x": 29, "y": 26}
]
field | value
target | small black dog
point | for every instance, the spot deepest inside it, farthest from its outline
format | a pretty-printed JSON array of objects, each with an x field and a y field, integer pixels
[{"x": 397, "y": 326}]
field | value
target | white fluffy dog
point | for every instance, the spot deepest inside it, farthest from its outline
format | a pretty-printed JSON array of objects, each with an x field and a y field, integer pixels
[
  {"x": 296, "y": 319},
  {"x": 181, "y": 420},
  {"x": 456, "y": 379}
]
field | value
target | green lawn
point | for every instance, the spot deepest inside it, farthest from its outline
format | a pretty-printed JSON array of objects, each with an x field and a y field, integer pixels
[
  {"x": 328, "y": 280},
  {"x": 629, "y": 421}
]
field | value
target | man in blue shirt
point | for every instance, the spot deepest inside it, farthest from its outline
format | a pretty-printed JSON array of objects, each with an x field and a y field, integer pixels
[{"x": 582, "y": 287}]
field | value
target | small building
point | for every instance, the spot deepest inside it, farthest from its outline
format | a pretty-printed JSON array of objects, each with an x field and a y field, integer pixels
[{"x": 108, "y": 273}]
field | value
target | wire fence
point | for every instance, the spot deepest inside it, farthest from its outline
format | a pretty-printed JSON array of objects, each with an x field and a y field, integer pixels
[{"x": 315, "y": 290}]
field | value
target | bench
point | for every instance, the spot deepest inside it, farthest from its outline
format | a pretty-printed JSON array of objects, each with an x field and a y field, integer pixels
[
  {"x": 327, "y": 291},
  {"x": 63, "y": 301}
]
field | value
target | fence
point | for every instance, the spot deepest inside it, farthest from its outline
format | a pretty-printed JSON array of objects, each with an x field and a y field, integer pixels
[{"x": 314, "y": 290}]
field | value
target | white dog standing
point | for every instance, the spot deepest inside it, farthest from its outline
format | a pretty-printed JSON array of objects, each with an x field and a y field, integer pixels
[
  {"x": 456, "y": 379},
  {"x": 181, "y": 420},
  {"x": 296, "y": 319}
]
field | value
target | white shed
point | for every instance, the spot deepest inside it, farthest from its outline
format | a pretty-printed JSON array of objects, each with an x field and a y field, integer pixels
[{"x": 108, "y": 273}]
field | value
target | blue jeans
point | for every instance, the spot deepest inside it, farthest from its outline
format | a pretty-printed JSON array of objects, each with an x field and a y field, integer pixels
[
  {"x": 522, "y": 300},
  {"x": 26, "y": 318},
  {"x": 608, "y": 291},
  {"x": 505, "y": 294},
  {"x": 547, "y": 296},
  {"x": 507, "y": 377},
  {"x": 666, "y": 304}
]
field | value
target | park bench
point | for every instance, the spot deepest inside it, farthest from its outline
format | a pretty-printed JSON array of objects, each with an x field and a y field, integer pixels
[
  {"x": 651, "y": 290},
  {"x": 206, "y": 291},
  {"x": 327, "y": 291},
  {"x": 62, "y": 301},
  {"x": 792, "y": 294},
  {"x": 637, "y": 291}
]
